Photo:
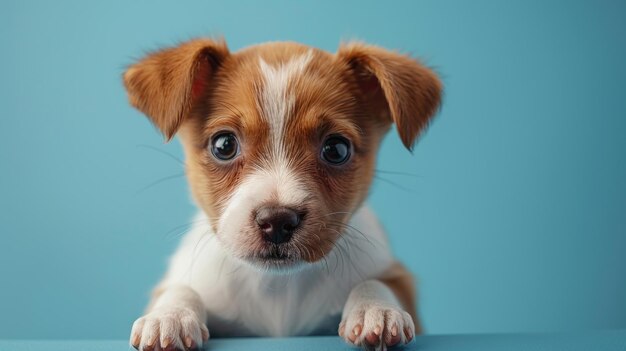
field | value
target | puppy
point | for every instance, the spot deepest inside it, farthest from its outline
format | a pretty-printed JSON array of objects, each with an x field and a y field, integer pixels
[{"x": 280, "y": 142}]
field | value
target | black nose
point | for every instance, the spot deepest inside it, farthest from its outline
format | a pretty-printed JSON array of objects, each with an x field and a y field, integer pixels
[{"x": 277, "y": 223}]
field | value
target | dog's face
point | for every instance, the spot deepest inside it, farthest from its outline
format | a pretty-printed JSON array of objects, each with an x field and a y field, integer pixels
[{"x": 281, "y": 138}]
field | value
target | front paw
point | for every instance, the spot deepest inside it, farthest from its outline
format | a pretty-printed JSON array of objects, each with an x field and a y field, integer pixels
[
  {"x": 376, "y": 326},
  {"x": 169, "y": 329}
]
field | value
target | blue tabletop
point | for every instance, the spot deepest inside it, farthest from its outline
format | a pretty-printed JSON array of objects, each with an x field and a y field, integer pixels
[{"x": 601, "y": 340}]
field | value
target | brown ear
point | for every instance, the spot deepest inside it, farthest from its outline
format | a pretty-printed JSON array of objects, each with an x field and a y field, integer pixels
[
  {"x": 400, "y": 87},
  {"x": 164, "y": 85}
]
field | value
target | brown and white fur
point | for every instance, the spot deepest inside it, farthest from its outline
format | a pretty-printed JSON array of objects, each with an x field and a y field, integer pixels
[{"x": 282, "y": 101}]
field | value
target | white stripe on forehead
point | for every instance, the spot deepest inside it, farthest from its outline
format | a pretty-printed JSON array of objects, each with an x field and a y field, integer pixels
[
  {"x": 276, "y": 102},
  {"x": 274, "y": 180}
]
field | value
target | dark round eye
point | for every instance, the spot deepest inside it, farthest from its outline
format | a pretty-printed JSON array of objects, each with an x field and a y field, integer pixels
[
  {"x": 224, "y": 146},
  {"x": 336, "y": 150}
]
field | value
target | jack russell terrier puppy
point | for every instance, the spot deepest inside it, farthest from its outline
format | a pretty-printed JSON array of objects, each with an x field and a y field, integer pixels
[{"x": 280, "y": 142}]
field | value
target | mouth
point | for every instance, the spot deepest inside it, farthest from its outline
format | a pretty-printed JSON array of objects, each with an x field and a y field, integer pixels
[{"x": 275, "y": 260}]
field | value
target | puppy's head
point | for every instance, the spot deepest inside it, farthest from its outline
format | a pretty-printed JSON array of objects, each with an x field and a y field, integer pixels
[{"x": 281, "y": 139}]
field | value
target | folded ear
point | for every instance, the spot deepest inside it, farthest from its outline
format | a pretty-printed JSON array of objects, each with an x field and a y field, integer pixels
[
  {"x": 397, "y": 86},
  {"x": 165, "y": 84}
]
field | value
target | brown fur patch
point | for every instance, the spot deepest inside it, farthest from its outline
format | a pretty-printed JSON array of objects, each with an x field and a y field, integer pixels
[
  {"x": 327, "y": 102},
  {"x": 167, "y": 83},
  {"x": 407, "y": 91},
  {"x": 200, "y": 89}
]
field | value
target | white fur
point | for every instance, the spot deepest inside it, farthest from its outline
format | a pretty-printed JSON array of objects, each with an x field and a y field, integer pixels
[
  {"x": 274, "y": 180},
  {"x": 277, "y": 100},
  {"x": 277, "y": 183},
  {"x": 207, "y": 282},
  {"x": 239, "y": 300},
  {"x": 177, "y": 318},
  {"x": 276, "y": 107},
  {"x": 373, "y": 308}
]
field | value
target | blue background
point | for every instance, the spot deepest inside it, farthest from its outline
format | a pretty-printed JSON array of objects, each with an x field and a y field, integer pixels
[{"x": 515, "y": 221}]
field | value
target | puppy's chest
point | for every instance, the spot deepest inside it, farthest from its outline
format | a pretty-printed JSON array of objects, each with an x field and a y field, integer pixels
[
  {"x": 277, "y": 306},
  {"x": 242, "y": 301}
]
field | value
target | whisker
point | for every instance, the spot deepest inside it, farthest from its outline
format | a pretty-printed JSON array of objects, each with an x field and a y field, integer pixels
[
  {"x": 196, "y": 251},
  {"x": 219, "y": 275},
  {"x": 237, "y": 268},
  {"x": 354, "y": 267},
  {"x": 186, "y": 225},
  {"x": 159, "y": 181},
  {"x": 390, "y": 182},
  {"x": 399, "y": 173},
  {"x": 322, "y": 255},
  {"x": 350, "y": 236},
  {"x": 172, "y": 156},
  {"x": 351, "y": 227},
  {"x": 344, "y": 252},
  {"x": 341, "y": 253},
  {"x": 326, "y": 264},
  {"x": 334, "y": 213}
]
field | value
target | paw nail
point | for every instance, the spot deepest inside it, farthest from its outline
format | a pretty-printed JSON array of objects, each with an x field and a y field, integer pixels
[
  {"x": 372, "y": 339},
  {"x": 408, "y": 334},
  {"x": 357, "y": 330},
  {"x": 377, "y": 330},
  {"x": 394, "y": 331},
  {"x": 188, "y": 342},
  {"x": 166, "y": 342},
  {"x": 205, "y": 334},
  {"x": 135, "y": 340}
]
